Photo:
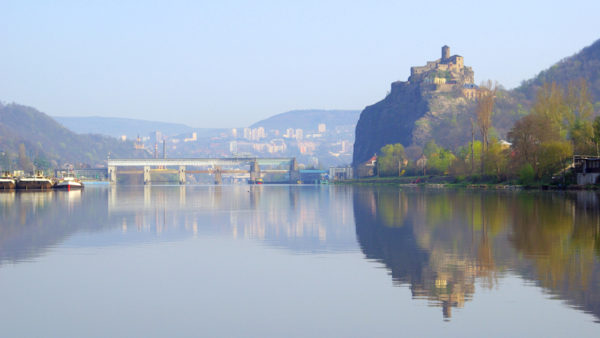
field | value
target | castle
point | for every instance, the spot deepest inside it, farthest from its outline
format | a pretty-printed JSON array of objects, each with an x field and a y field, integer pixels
[{"x": 445, "y": 74}]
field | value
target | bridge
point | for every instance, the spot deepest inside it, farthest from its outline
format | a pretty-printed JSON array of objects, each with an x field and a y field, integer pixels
[{"x": 215, "y": 166}]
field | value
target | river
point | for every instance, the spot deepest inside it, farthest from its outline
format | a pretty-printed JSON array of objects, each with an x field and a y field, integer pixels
[{"x": 297, "y": 261}]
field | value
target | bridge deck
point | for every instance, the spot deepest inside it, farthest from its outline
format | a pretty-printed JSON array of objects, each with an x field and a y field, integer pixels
[{"x": 198, "y": 162}]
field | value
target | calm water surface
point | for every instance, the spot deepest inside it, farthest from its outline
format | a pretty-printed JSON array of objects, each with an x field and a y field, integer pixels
[{"x": 298, "y": 261}]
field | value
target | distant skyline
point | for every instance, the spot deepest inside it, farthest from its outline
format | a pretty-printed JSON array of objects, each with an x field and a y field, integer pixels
[{"x": 232, "y": 63}]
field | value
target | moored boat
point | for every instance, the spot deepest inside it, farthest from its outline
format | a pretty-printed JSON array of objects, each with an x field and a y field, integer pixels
[
  {"x": 37, "y": 182},
  {"x": 7, "y": 181},
  {"x": 69, "y": 183}
]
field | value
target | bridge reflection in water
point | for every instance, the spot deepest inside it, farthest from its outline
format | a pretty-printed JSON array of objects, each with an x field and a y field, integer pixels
[{"x": 251, "y": 167}]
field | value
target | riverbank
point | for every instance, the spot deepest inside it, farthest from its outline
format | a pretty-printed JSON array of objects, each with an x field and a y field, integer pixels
[{"x": 453, "y": 182}]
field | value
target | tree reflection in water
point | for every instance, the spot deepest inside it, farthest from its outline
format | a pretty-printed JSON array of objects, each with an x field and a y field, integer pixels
[{"x": 441, "y": 243}]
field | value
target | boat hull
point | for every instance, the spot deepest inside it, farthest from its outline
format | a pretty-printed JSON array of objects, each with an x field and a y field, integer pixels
[
  {"x": 7, "y": 185},
  {"x": 68, "y": 185},
  {"x": 34, "y": 185}
]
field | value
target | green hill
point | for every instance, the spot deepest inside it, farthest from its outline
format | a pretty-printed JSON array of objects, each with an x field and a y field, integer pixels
[
  {"x": 585, "y": 64},
  {"x": 46, "y": 140}
]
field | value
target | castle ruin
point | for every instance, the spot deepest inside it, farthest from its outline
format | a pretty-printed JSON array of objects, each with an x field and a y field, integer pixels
[{"x": 445, "y": 75}]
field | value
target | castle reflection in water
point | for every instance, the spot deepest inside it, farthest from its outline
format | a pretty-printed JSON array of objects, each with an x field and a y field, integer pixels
[{"x": 442, "y": 244}]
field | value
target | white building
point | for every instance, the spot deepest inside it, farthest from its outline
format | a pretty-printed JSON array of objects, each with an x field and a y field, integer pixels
[
  {"x": 261, "y": 132},
  {"x": 247, "y": 133},
  {"x": 233, "y": 147},
  {"x": 289, "y": 133}
]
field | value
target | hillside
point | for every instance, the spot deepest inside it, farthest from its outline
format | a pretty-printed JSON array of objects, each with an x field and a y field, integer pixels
[
  {"x": 115, "y": 126},
  {"x": 309, "y": 119},
  {"x": 585, "y": 64},
  {"x": 44, "y": 138}
]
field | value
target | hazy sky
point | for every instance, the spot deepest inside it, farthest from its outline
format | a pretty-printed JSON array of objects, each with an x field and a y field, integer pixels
[{"x": 231, "y": 63}]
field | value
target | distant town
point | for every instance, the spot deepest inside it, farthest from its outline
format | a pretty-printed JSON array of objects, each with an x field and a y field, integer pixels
[{"x": 320, "y": 146}]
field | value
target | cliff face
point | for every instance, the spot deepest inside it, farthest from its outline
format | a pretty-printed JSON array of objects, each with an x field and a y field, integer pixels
[
  {"x": 391, "y": 120},
  {"x": 412, "y": 115}
]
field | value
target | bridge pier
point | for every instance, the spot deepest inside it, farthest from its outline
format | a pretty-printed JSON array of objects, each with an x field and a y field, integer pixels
[
  {"x": 218, "y": 175},
  {"x": 146, "y": 174},
  {"x": 112, "y": 174},
  {"x": 181, "y": 174},
  {"x": 254, "y": 171},
  {"x": 294, "y": 172}
]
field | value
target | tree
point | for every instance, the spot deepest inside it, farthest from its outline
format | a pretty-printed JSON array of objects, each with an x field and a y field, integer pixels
[
  {"x": 42, "y": 163},
  {"x": 579, "y": 110},
  {"x": 438, "y": 158},
  {"x": 526, "y": 174},
  {"x": 24, "y": 161},
  {"x": 578, "y": 102},
  {"x": 596, "y": 133},
  {"x": 528, "y": 135},
  {"x": 485, "y": 107},
  {"x": 391, "y": 160},
  {"x": 550, "y": 104},
  {"x": 581, "y": 134},
  {"x": 559, "y": 123},
  {"x": 553, "y": 157},
  {"x": 496, "y": 160},
  {"x": 466, "y": 156},
  {"x": 5, "y": 160}
]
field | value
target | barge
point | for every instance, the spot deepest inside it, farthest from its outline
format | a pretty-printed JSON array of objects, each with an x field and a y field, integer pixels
[
  {"x": 37, "y": 182},
  {"x": 7, "y": 181}
]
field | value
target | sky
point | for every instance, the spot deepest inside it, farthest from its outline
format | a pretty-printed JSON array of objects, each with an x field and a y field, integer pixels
[{"x": 232, "y": 63}]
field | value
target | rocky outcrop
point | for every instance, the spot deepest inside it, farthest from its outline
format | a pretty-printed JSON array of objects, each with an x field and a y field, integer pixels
[
  {"x": 437, "y": 102},
  {"x": 391, "y": 120}
]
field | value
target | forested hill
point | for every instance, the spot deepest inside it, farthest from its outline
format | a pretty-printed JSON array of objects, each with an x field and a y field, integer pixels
[
  {"x": 117, "y": 126},
  {"x": 585, "y": 64},
  {"x": 47, "y": 141}
]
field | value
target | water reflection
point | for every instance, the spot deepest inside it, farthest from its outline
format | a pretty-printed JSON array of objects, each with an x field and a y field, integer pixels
[
  {"x": 440, "y": 243},
  {"x": 292, "y": 217},
  {"x": 295, "y": 218},
  {"x": 25, "y": 231},
  {"x": 443, "y": 244}
]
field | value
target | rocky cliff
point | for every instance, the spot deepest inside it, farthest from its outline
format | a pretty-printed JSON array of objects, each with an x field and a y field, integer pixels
[
  {"x": 437, "y": 102},
  {"x": 390, "y": 120}
]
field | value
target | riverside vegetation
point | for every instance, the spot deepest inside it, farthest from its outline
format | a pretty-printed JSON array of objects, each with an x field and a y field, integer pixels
[
  {"x": 440, "y": 127},
  {"x": 543, "y": 142}
]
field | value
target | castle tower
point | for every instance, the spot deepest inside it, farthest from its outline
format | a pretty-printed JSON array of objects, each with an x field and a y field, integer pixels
[{"x": 445, "y": 53}]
